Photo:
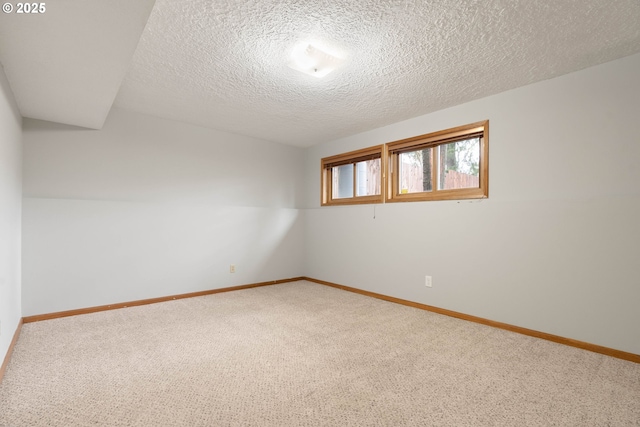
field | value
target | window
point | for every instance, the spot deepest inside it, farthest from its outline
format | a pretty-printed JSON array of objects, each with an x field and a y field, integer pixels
[
  {"x": 452, "y": 164},
  {"x": 446, "y": 165},
  {"x": 352, "y": 178}
]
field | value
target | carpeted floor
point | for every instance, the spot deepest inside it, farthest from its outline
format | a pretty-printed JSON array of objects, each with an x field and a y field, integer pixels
[{"x": 303, "y": 354}]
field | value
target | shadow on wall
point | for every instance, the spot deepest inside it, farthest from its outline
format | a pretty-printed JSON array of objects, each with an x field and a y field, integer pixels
[{"x": 104, "y": 252}]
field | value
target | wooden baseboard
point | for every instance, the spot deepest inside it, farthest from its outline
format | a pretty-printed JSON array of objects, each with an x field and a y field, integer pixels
[
  {"x": 7, "y": 357},
  {"x": 524, "y": 331},
  {"x": 48, "y": 316},
  {"x": 619, "y": 354}
]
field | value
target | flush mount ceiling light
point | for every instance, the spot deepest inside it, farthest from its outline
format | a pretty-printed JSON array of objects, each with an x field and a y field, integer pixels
[{"x": 312, "y": 60}]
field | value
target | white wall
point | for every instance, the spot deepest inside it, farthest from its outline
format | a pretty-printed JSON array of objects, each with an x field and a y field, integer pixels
[
  {"x": 10, "y": 207},
  {"x": 555, "y": 248},
  {"x": 148, "y": 207}
]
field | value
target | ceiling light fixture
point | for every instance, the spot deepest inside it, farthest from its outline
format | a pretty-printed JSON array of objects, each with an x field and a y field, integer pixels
[{"x": 313, "y": 61}]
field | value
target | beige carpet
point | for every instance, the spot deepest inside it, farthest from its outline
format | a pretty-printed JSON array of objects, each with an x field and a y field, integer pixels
[{"x": 302, "y": 354}]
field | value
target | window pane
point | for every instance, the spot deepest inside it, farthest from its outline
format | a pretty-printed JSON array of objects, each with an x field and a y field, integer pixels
[
  {"x": 368, "y": 178},
  {"x": 342, "y": 181},
  {"x": 459, "y": 164},
  {"x": 415, "y": 171}
]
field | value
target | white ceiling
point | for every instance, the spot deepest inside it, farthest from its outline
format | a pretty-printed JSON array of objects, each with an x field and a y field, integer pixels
[
  {"x": 223, "y": 63},
  {"x": 66, "y": 64}
]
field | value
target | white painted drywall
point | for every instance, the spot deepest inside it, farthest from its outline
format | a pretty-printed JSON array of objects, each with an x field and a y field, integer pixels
[
  {"x": 148, "y": 207},
  {"x": 554, "y": 248},
  {"x": 10, "y": 214},
  {"x": 67, "y": 65}
]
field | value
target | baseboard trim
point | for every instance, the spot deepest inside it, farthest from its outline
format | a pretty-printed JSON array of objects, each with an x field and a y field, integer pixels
[
  {"x": 7, "y": 357},
  {"x": 56, "y": 315},
  {"x": 619, "y": 354}
]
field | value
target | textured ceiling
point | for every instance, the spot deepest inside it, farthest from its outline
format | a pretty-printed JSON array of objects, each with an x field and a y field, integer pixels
[
  {"x": 66, "y": 64},
  {"x": 223, "y": 63}
]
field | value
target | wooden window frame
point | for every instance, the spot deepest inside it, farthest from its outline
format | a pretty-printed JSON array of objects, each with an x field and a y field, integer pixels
[
  {"x": 352, "y": 157},
  {"x": 388, "y": 155},
  {"x": 432, "y": 141}
]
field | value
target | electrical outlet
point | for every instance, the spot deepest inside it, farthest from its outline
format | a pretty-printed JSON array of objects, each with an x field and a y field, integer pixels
[
  {"x": 427, "y": 281},
  {"x": 232, "y": 268}
]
